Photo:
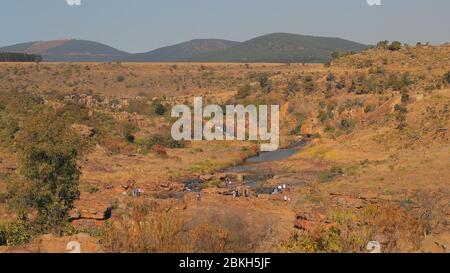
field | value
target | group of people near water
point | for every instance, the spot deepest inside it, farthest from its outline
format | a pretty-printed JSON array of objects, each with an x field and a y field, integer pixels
[
  {"x": 280, "y": 189},
  {"x": 283, "y": 189}
]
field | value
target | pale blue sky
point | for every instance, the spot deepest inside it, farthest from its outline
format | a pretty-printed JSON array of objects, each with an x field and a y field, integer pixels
[{"x": 142, "y": 25}]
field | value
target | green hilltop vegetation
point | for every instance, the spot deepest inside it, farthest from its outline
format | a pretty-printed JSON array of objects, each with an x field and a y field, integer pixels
[
  {"x": 271, "y": 48},
  {"x": 283, "y": 47},
  {"x": 183, "y": 51},
  {"x": 19, "y": 57},
  {"x": 68, "y": 51}
]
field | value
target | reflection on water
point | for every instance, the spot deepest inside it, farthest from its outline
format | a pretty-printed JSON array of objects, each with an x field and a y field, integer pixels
[
  {"x": 273, "y": 156},
  {"x": 254, "y": 171},
  {"x": 256, "y": 174},
  {"x": 251, "y": 164}
]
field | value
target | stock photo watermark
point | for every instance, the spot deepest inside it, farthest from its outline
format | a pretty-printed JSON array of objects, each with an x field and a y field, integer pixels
[
  {"x": 228, "y": 125},
  {"x": 369, "y": 2},
  {"x": 73, "y": 2},
  {"x": 374, "y": 2}
]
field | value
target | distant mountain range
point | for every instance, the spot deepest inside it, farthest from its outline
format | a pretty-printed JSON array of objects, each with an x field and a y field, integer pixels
[
  {"x": 282, "y": 47},
  {"x": 69, "y": 51},
  {"x": 272, "y": 48},
  {"x": 183, "y": 52}
]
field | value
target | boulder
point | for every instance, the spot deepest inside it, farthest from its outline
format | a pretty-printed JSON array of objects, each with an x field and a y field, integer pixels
[
  {"x": 92, "y": 209},
  {"x": 207, "y": 177},
  {"x": 308, "y": 221},
  {"x": 80, "y": 243},
  {"x": 99, "y": 212},
  {"x": 436, "y": 244},
  {"x": 138, "y": 121},
  {"x": 129, "y": 184},
  {"x": 304, "y": 224},
  {"x": 83, "y": 130},
  {"x": 215, "y": 191},
  {"x": 164, "y": 184},
  {"x": 221, "y": 176},
  {"x": 108, "y": 186},
  {"x": 177, "y": 187}
]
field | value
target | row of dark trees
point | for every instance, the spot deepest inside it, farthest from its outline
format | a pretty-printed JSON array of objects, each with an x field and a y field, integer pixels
[{"x": 19, "y": 57}]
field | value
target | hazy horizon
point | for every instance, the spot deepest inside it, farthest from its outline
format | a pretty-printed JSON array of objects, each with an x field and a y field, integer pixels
[{"x": 140, "y": 26}]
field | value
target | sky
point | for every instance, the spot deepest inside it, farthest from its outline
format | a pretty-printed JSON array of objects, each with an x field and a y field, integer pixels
[{"x": 143, "y": 25}]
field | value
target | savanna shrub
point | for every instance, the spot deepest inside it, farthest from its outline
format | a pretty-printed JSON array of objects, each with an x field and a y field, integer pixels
[{"x": 447, "y": 77}]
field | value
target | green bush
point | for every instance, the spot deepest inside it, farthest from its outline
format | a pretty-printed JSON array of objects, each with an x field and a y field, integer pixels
[
  {"x": 328, "y": 114},
  {"x": 340, "y": 84},
  {"x": 398, "y": 83},
  {"x": 49, "y": 173},
  {"x": 383, "y": 44},
  {"x": 405, "y": 96},
  {"x": 292, "y": 87},
  {"x": 347, "y": 124},
  {"x": 301, "y": 117},
  {"x": 92, "y": 189},
  {"x": 395, "y": 46},
  {"x": 329, "y": 175},
  {"x": 264, "y": 82},
  {"x": 3, "y": 237},
  {"x": 164, "y": 140},
  {"x": 139, "y": 106},
  {"x": 401, "y": 112},
  {"x": 244, "y": 91},
  {"x": 329, "y": 129},
  {"x": 160, "y": 109},
  {"x": 330, "y": 77},
  {"x": 447, "y": 77},
  {"x": 335, "y": 55},
  {"x": 130, "y": 138},
  {"x": 16, "y": 233},
  {"x": 308, "y": 84},
  {"x": 370, "y": 108}
]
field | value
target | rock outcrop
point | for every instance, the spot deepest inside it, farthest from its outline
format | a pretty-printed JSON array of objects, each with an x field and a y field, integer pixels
[
  {"x": 80, "y": 243},
  {"x": 83, "y": 130}
]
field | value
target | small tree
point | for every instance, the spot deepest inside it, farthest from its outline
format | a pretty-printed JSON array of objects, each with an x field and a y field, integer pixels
[
  {"x": 335, "y": 55},
  {"x": 264, "y": 82},
  {"x": 401, "y": 112},
  {"x": 331, "y": 77},
  {"x": 160, "y": 109},
  {"x": 38, "y": 60},
  {"x": 127, "y": 131},
  {"x": 405, "y": 96},
  {"x": 244, "y": 91},
  {"x": 383, "y": 44},
  {"x": 292, "y": 87},
  {"x": 120, "y": 78},
  {"x": 308, "y": 84},
  {"x": 395, "y": 46},
  {"x": 347, "y": 124},
  {"x": 49, "y": 179}
]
